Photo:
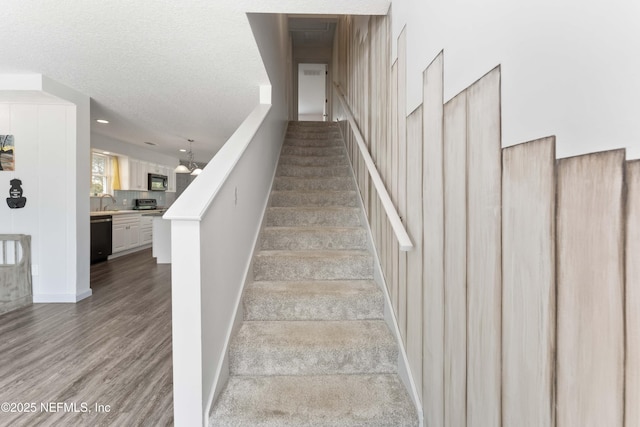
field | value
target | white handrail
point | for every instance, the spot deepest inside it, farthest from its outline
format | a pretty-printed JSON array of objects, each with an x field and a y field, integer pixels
[{"x": 401, "y": 233}]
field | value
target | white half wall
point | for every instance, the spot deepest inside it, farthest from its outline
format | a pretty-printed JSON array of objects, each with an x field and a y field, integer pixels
[
  {"x": 569, "y": 68},
  {"x": 50, "y": 124}
]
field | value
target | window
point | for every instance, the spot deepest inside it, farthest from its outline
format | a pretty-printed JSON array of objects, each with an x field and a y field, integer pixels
[{"x": 100, "y": 165}]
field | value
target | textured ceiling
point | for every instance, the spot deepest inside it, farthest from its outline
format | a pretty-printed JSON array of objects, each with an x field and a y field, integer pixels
[{"x": 161, "y": 71}]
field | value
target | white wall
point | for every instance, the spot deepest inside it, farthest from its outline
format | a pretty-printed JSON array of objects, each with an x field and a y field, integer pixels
[
  {"x": 569, "y": 68},
  {"x": 51, "y": 127},
  {"x": 115, "y": 146}
]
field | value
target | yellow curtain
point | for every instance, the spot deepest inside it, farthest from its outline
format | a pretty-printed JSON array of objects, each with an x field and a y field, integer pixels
[{"x": 115, "y": 173}]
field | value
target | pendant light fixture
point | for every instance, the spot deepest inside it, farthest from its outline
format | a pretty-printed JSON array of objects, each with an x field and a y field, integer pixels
[{"x": 193, "y": 167}]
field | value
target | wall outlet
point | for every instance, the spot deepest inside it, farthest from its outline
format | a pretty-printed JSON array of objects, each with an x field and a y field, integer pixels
[{"x": 34, "y": 269}]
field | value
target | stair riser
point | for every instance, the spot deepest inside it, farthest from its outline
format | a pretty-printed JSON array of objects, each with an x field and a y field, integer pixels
[
  {"x": 313, "y": 348},
  {"x": 300, "y": 239},
  {"x": 314, "y": 160},
  {"x": 299, "y": 217},
  {"x": 312, "y": 151},
  {"x": 313, "y": 128},
  {"x": 303, "y": 198},
  {"x": 313, "y": 134},
  {"x": 317, "y": 143},
  {"x": 313, "y": 184},
  {"x": 313, "y": 125},
  {"x": 270, "y": 306},
  {"x": 312, "y": 171},
  {"x": 345, "y": 361},
  {"x": 348, "y": 267}
]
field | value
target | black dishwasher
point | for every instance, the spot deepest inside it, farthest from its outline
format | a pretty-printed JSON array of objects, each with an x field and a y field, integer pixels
[{"x": 100, "y": 237}]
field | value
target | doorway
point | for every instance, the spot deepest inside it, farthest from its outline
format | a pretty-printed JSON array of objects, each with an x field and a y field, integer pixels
[{"x": 312, "y": 92}]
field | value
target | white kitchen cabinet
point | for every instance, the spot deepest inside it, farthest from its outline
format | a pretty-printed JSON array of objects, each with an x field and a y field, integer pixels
[
  {"x": 146, "y": 230},
  {"x": 143, "y": 170},
  {"x": 172, "y": 179},
  {"x": 134, "y": 174},
  {"x": 126, "y": 232}
]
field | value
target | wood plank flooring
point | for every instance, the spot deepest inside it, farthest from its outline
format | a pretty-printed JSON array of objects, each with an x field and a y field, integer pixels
[{"x": 113, "y": 348}]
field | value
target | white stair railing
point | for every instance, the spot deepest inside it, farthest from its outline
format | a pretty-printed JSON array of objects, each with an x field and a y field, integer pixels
[{"x": 392, "y": 213}]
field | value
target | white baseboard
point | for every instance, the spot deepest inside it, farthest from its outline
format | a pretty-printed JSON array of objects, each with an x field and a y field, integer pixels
[{"x": 61, "y": 298}]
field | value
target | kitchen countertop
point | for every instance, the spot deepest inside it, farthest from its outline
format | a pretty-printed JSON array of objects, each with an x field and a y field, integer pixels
[
  {"x": 147, "y": 212},
  {"x": 158, "y": 212}
]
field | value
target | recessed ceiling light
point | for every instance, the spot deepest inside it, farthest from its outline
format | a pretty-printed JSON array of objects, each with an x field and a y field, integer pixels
[
  {"x": 150, "y": 143},
  {"x": 183, "y": 150},
  {"x": 103, "y": 121}
]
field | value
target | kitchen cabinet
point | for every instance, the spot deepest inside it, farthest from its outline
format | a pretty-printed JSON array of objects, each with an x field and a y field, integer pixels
[
  {"x": 172, "y": 179},
  {"x": 126, "y": 232},
  {"x": 134, "y": 174},
  {"x": 146, "y": 230}
]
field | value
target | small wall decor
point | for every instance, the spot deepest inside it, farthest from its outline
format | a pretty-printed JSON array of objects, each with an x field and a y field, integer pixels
[
  {"x": 15, "y": 199},
  {"x": 7, "y": 153}
]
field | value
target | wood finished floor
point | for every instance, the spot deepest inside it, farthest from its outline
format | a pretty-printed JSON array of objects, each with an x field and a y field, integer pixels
[{"x": 113, "y": 348}]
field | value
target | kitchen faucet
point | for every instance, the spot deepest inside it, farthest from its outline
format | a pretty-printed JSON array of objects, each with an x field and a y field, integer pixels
[{"x": 102, "y": 198}]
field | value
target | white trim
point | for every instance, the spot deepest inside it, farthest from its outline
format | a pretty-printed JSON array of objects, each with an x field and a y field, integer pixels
[
  {"x": 61, "y": 298},
  {"x": 192, "y": 205}
]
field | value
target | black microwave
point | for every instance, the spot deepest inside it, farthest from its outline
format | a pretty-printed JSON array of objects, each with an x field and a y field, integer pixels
[{"x": 158, "y": 182}]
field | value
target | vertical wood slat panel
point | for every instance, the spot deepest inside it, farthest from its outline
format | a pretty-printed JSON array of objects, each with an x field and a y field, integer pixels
[
  {"x": 484, "y": 269},
  {"x": 433, "y": 245},
  {"x": 402, "y": 178},
  {"x": 590, "y": 281},
  {"x": 529, "y": 292},
  {"x": 632, "y": 296},
  {"x": 414, "y": 258},
  {"x": 388, "y": 138},
  {"x": 394, "y": 184},
  {"x": 455, "y": 259}
]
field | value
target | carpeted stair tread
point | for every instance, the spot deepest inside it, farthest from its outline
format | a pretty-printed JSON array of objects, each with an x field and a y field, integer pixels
[
  {"x": 291, "y": 216},
  {"x": 314, "y": 199},
  {"x": 308, "y": 142},
  {"x": 313, "y": 265},
  {"x": 285, "y": 183},
  {"x": 314, "y": 161},
  {"x": 313, "y": 171},
  {"x": 313, "y": 348},
  {"x": 314, "y": 401},
  {"x": 313, "y": 238},
  {"x": 313, "y": 151},
  {"x": 313, "y": 300}
]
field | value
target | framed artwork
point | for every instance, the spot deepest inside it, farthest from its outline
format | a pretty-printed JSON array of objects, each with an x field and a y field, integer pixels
[{"x": 7, "y": 153}]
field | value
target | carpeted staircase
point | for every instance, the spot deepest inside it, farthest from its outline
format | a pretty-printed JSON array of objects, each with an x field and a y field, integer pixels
[{"x": 313, "y": 349}]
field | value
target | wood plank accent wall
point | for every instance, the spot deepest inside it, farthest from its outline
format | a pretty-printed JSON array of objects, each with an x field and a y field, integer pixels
[
  {"x": 632, "y": 309},
  {"x": 590, "y": 284},
  {"x": 414, "y": 258},
  {"x": 433, "y": 245},
  {"x": 402, "y": 177},
  {"x": 484, "y": 251},
  {"x": 455, "y": 261},
  {"x": 520, "y": 304},
  {"x": 528, "y": 292}
]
